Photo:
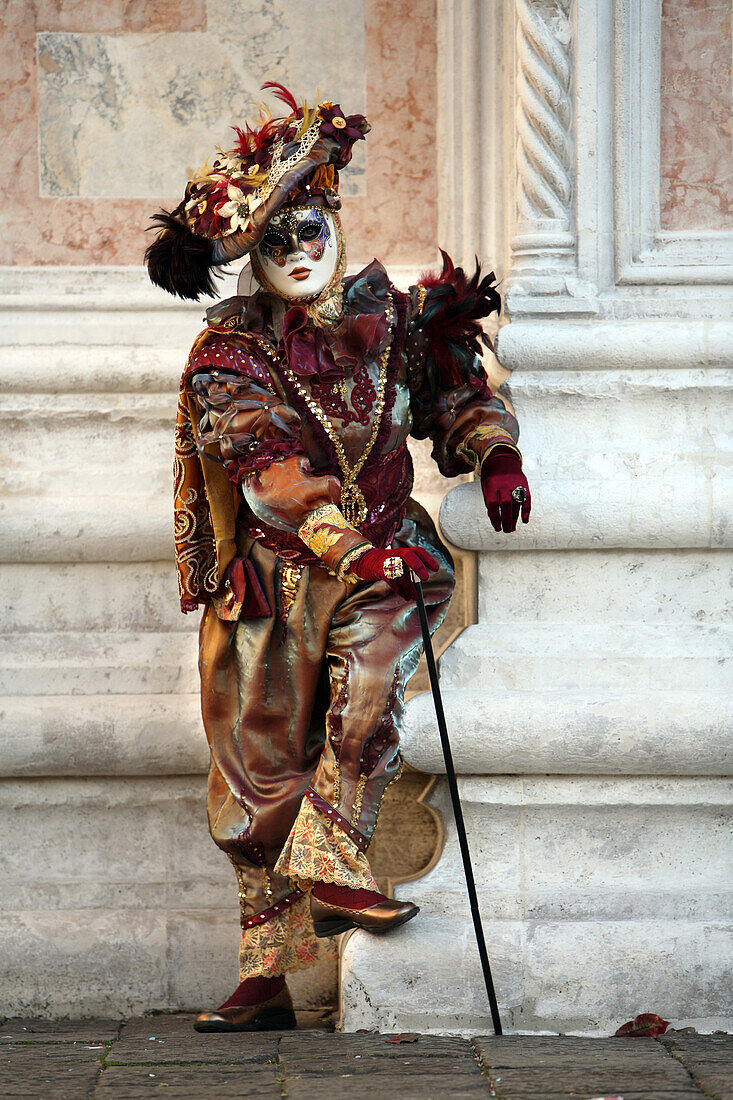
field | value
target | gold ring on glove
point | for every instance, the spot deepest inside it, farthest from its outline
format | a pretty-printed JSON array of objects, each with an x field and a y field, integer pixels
[
  {"x": 519, "y": 494},
  {"x": 393, "y": 568}
]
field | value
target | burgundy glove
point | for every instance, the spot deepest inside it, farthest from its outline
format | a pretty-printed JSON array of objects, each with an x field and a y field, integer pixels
[
  {"x": 371, "y": 567},
  {"x": 501, "y": 472}
]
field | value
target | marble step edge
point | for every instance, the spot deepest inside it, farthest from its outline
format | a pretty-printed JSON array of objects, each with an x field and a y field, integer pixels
[
  {"x": 602, "y": 641},
  {"x": 615, "y": 639},
  {"x": 604, "y": 512},
  {"x": 99, "y": 735},
  {"x": 74, "y": 368},
  {"x": 42, "y": 527},
  {"x": 508, "y": 734},
  {"x": 548, "y": 678},
  {"x": 627, "y": 732},
  {"x": 550, "y": 976}
]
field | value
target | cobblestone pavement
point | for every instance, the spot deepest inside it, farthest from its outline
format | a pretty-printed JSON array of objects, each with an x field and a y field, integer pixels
[{"x": 161, "y": 1055}]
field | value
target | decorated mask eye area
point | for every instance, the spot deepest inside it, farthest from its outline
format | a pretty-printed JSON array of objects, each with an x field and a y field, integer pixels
[
  {"x": 301, "y": 231},
  {"x": 299, "y": 252}
]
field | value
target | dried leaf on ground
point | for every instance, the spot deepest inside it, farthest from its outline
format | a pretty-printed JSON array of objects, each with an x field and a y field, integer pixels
[{"x": 647, "y": 1025}]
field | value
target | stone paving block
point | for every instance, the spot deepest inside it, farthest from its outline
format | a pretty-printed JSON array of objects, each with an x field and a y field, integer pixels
[
  {"x": 35, "y": 1071},
  {"x": 60, "y": 1031},
  {"x": 398, "y": 1086},
  {"x": 716, "y": 1082},
  {"x": 525, "y": 1051},
  {"x": 188, "y": 1082},
  {"x": 569, "y": 1080},
  {"x": 338, "y": 1054},
  {"x": 49, "y": 1053},
  {"x": 166, "y": 1039},
  {"x": 708, "y": 1058}
]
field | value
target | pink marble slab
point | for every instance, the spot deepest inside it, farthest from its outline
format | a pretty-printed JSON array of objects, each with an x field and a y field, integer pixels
[{"x": 696, "y": 150}]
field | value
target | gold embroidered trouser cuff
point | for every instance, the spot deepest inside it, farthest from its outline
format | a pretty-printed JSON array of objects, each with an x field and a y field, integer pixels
[
  {"x": 317, "y": 850},
  {"x": 283, "y": 943}
]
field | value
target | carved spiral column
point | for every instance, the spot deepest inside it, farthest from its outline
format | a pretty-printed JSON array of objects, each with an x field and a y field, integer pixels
[{"x": 544, "y": 241}]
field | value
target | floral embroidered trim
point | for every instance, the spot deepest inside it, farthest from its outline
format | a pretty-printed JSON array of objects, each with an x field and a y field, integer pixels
[
  {"x": 284, "y": 942},
  {"x": 317, "y": 850},
  {"x": 290, "y": 575},
  {"x": 358, "y": 799},
  {"x": 323, "y": 528},
  {"x": 198, "y": 571},
  {"x": 361, "y": 399}
]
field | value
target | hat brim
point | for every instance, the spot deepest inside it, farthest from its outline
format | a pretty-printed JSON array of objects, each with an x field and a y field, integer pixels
[{"x": 325, "y": 151}]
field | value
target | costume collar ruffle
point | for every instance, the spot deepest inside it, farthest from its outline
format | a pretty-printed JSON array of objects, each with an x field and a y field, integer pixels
[{"x": 326, "y": 353}]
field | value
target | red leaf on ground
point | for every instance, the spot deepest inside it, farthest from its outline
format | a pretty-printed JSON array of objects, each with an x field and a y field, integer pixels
[
  {"x": 403, "y": 1039},
  {"x": 647, "y": 1025}
]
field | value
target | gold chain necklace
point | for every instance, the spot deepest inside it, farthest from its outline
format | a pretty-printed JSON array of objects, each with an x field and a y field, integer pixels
[{"x": 353, "y": 504}]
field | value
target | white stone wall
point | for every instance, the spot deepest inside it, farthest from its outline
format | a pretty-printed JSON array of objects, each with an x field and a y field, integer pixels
[{"x": 589, "y": 707}]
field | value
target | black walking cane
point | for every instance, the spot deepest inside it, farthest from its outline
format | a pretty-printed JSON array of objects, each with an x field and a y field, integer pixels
[{"x": 457, "y": 811}]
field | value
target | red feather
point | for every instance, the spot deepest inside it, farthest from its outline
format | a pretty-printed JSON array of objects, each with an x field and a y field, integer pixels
[{"x": 281, "y": 92}]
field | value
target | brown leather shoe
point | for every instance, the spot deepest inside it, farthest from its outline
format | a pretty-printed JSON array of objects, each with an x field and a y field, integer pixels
[
  {"x": 273, "y": 1015},
  {"x": 331, "y": 920}
]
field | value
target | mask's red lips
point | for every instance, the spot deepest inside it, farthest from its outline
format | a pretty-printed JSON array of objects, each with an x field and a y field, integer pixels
[{"x": 299, "y": 273}]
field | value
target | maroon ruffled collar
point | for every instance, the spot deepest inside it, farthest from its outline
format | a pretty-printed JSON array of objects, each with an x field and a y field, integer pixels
[
  {"x": 327, "y": 354},
  {"x": 331, "y": 353}
]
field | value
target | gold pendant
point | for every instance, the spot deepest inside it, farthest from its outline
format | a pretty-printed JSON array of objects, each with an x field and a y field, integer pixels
[{"x": 353, "y": 504}]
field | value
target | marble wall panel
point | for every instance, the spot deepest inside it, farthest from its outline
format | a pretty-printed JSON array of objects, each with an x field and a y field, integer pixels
[
  {"x": 696, "y": 149},
  {"x": 137, "y": 114},
  {"x": 109, "y": 107}
]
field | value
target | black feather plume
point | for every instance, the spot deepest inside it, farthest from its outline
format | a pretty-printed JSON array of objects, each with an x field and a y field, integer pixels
[{"x": 178, "y": 260}]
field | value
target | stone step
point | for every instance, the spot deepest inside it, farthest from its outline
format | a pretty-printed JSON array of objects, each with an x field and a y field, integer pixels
[
  {"x": 599, "y": 897},
  {"x": 82, "y": 735},
  {"x": 576, "y": 977},
  {"x": 87, "y": 527},
  {"x": 84, "y": 368},
  {"x": 93, "y": 596},
  {"x": 629, "y": 731},
  {"x": 98, "y": 663},
  {"x": 547, "y": 658}
]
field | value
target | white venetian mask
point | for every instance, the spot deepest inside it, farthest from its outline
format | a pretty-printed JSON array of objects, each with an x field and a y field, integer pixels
[{"x": 299, "y": 252}]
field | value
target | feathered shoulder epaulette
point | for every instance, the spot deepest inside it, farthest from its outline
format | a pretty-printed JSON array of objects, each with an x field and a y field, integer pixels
[{"x": 445, "y": 334}]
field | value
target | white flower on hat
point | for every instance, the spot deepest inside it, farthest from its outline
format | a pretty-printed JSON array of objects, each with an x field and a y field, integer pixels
[{"x": 237, "y": 209}]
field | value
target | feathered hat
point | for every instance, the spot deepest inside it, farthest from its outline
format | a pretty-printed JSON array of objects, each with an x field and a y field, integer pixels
[{"x": 227, "y": 206}]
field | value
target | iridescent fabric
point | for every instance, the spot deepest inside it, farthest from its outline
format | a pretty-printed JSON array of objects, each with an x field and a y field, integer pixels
[{"x": 311, "y": 697}]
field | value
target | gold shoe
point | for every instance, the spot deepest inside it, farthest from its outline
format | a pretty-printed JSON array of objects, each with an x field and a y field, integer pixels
[
  {"x": 331, "y": 920},
  {"x": 273, "y": 1015}
]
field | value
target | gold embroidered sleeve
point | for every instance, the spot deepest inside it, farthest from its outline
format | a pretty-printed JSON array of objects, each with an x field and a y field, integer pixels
[
  {"x": 482, "y": 441},
  {"x": 330, "y": 537}
]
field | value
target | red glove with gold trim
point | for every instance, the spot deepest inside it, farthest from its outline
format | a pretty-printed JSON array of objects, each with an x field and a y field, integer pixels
[{"x": 393, "y": 567}]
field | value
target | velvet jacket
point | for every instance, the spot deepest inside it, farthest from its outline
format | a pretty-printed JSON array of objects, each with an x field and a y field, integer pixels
[{"x": 253, "y": 460}]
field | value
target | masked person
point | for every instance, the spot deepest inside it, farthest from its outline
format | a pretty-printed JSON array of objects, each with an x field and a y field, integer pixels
[{"x": 295, "y": 529}]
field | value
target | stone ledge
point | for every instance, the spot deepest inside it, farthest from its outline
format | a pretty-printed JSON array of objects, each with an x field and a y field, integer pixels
[
  {"x": 97, "y": 663},
  {"x": 88, "y": 735},
  {"x": 613, "y": 345},
  {"x": 573, "y": 977},
  {"x": 622, "y": 509},
  {"x": 572, "y": 733}
]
